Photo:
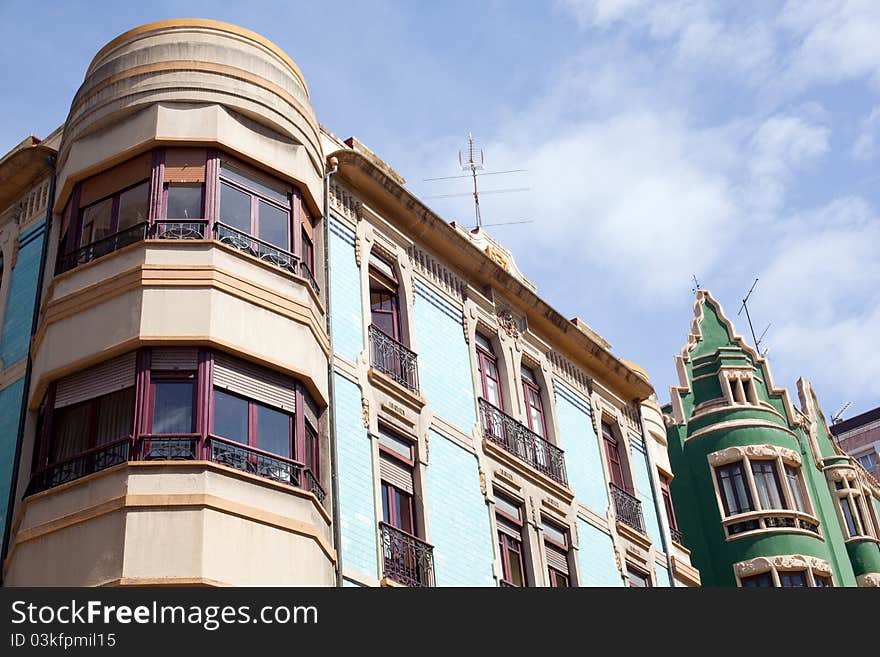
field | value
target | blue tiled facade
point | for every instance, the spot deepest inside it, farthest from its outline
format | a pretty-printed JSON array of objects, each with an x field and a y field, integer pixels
[
  {"x": 23, "y": 280},
  {"x": 10, "y": 409},
  {"x": 459, "y": 517},
  {"x": 356, "y": 497},
  {"x": 643, "y": 487},
  {"x": 345, "y": 299},
  {"x": 596, "y": 557},
  {"x": 583, "y": 462},
  {"x": 444, "y": 359}
]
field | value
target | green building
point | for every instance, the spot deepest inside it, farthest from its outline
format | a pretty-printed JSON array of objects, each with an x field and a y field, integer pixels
[{"x": 763, "y": 495}]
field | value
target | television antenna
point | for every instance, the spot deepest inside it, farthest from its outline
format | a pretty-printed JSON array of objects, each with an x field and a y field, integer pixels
[
  {"x": 838, "y": 416},
  {"x": 473, "y": 161},
  {"x": 696, "y": 283},
  {"x": 748, "y": 317}
]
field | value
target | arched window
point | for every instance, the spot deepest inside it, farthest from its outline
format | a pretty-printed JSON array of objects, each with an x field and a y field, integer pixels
[{"x": 384, "y": 297}]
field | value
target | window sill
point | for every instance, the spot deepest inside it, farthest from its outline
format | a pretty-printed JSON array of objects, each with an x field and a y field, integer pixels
[
  {"x": 524, "y": 470},
  {"x": 393, "y": 389}
]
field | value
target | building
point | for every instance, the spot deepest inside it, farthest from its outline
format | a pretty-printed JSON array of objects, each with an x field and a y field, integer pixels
[
  {"x": 765, "y": 497},
  {"x": 25, "y": 195},
  {"x": 859, "y": 437},
  {"x": 210, "y": 247}
]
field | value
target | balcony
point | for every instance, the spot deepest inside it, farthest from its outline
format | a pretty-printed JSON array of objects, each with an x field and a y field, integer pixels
[
  {"x": 256, "y": 247},
  {"x": 394, "y": 360},
  {"x": 676, "y": 535},
  {"x": 628, "y": 509},
  {"x": 408, "y": 560},
  {"x": 183, "y": 447},
  {"x": 519, "y": 440},
  {"x": 102, "y": 247}
]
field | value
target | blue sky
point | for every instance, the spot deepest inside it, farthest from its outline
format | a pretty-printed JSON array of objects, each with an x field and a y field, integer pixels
[{"x": 661, "y": 139}]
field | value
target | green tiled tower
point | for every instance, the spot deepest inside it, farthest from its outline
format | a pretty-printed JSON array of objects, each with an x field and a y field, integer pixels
[{"x": 763, "y": 496}]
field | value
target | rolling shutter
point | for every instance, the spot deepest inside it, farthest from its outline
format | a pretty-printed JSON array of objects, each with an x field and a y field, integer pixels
[
  {"x": 176, "y": 360},
  {"x": 110, "y": 376},
  {"x": 254, "y": 382},
  {"x": 556, "y": 558},
  {"x": 116, "y": 179},
  {"x": 395, "y": 473},
  {"x": 185, "y": 165}
]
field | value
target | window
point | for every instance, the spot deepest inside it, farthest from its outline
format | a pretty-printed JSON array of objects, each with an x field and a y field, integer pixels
[
  {"x": 532, "y": 397},
  {"x": 487, "y": 365},
  {"x": 796, "y": 486},
  {"x": 770, "y": 494},
  {"x": 255, "y": 205},
  {"x": 384, "y": 298},
  {"x": 173, "y": 399},
  {"x": 667, "y": 504},
  {"x": 508, "y": 518},
  {"x": 851, "y": 500},
  {"x": 764, "y": 580},
  {"x": 556, "y": 547},
  {"x": 252, "y": 423},
  {"x": 308, "y": 252},
  {"x": 792, "y": 578},
  {"x": 396, "y": 461},
  {"x": 612, "y": 456},
  {"x": 115, "y": 213},
  {"x": 637, "y": 579},
  {"x": 822, "y": 581},
  {"x": 734, "y": 489},
  {"x": 184, "y": 200},
  {"x": 868, "y": 461},
  {"x": 311, "y": 455},
  {"x": 91, "y": 423}
]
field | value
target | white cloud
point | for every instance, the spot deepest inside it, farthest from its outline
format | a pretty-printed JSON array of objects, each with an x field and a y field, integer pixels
[{"x": 865, "y": 145}]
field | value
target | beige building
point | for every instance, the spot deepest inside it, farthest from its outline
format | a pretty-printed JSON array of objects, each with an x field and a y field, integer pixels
[{"x": 185, "y": 424}]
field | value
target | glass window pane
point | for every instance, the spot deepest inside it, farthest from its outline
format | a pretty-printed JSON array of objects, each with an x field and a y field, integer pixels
[
  {"x": 184, "y": 201},
  {"x": 507, "y": 507},
  {"x": 273, "y": 223},
  {"x": 848, "y": 516},
  {"x": 554, "y": 533},
  {"x": 273, "y": 431},
  {"x": 797, "y": 489},
  {"x": 395, "y": 444},
  {"x": 792, "y": 578},
  {"x": 70, "y": 427},
  {"x": 515, "y": 561},
  {"x": 230, "y": 417},
  {"x": 763, "y": 580},
  {"x": 386, "y": 507},
  {"x": 260, "y": 185},
  {"x": 133, "y": 206},
  {"x": 173, "y": 407},
  {"x": 235, "y": 208},
  {"x": 96, "y": 221},
  {"x": 115, "y": 416}
]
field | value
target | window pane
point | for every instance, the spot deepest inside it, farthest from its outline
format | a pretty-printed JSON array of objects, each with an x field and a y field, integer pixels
[
  {"x": 96, "y": 221},
  {"x": 133, "y": 206},
  {"x": 848, "y": 516},
  {"x": 273, "y": 431},
  {"x": 515, "y": 560},
  {"x": 184, "y": 201},
  {"x": 386, "y": 502},
  {"x": 115, "y": 416},
  {"x": 797, "y": 489},
  {"x": 173, "y": 407},
  {"x": 558, "y": 580},
  {"x": 792, "y": 578},
  {"x": 230, "y": 417},
  {"x": 637, "y": 580},
  {"x": 235, "y": 208},
  {"x": 484, "y": 342},
  {"x": 261, "y": 186},
  {"x": 71, "y": 431},
  {"x": 764, "y": 580},
  {"x": 767, "y": 483},
  {"x": 273, "y": 224},
  {"x": 507, "y": 507},
  {"x": 735, "y": 496},
  {"x": 395, "y": 444},
  {"x": 554, "y": 533},
  {"x": 311, "y": 456},
  {"x": 822, "y": 581},
  {"x": 308, "y": 252}
]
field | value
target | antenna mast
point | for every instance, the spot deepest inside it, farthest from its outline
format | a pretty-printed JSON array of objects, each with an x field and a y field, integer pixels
[
  {"x": 746, "y": 308},
  {"x": 470, "y": 163}
]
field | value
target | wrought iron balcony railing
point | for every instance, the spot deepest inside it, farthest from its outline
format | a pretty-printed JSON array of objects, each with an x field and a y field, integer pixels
[
  {"x": 628, "y": 509},
  {"x": 519, "y": 440},
  {"x": 307, "y": 274},
  {"x": 393, "y": 359},
  {"x": 408, "y": 560},
  {"x": 271, "y": 466},
  {"x": 102, "y": 247},
  {"x": 180, "y": 230},
  {"x": 183, "y": 447},
  {"x": 677, "y": 536},
  {"x": 256, "y": 247},
  {"x": 88, "y": 462}
]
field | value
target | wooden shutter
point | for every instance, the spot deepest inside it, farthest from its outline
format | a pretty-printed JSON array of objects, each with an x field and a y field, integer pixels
[
  {"x": 184, "y": 359},
  {"x": 254, "y": 382},
  {"x": 185, "y": 165},
  {"x": 110, "y": 376},
  {"x": 116, "y": 179},
  {"x": 395, "y": 473},
  {"x": 556, "y": 558}
]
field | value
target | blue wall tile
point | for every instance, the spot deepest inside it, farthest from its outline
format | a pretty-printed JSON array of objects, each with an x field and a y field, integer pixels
[
  {"x": 356, "y": 497},
  {"x": 596, "y": 557},
  {"x": 10, "y": 407},
  {"x": 444, "y": 359},
  {"x": 459, "y": 517},
  {"x": 22, "y": 295},
  {"x": 345, "y": 295},
  {"x": 643, "y": 486},
  {"x": 583, "y": 462}
]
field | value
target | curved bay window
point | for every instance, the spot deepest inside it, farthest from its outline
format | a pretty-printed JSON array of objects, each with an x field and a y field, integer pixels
[
  {"x": 179, "y": 404},
  {"x": 188, "y": 193},
  {"x": 764, "y": 491},
  {"x": 855, "y": 507}
]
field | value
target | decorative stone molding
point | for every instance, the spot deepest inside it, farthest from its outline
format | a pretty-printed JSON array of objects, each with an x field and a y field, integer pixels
[
  {"x": 344, "y": 202},
  {"x": 429, "y": 267},
  {"x": 732, "y": 454},
  {"x": 784, "y": 562},
  {"x": 483, "y": 488},
  {"x": 869, "y": 580},
  {"x": 365, "y": 412},
  {"x": 508, "y": 323}
]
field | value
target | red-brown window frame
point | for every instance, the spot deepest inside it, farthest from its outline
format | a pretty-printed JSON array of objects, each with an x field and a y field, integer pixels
[
  {"x": 612, "y": 456},
  {"x": 160, "y": 376},
  {"x": 667, "y": 501},
  {"x": 487, "y": 358},
  {"x": 507, "y": 542},
  {"x": 384, "y": 284},
  {"x": 531, "y": 386}
]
